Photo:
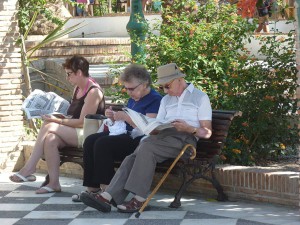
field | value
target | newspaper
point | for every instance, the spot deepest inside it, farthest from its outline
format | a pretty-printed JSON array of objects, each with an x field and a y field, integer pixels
[
  {"x": 145, "y": 123},
  {"x": 41, "y": 103}
]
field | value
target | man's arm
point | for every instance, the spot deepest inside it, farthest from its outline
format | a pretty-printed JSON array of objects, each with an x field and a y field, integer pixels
[{"x": 204, "y": 131}]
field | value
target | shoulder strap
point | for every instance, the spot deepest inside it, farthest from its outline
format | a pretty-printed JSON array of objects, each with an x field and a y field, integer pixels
[{"x": 91, "y": 87}]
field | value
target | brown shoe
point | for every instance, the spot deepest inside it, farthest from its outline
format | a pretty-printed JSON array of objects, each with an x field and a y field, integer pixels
[
  {"x": 130, "y": 207},
  {"x": 95, "y": 201}
]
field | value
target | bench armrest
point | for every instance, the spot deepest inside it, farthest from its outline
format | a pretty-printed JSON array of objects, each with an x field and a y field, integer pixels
[{"x": 95, "y": 116}]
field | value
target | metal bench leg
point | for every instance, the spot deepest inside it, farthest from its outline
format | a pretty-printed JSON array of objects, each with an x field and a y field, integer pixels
[
  {"x": 222, "y": 197},
  {"x": 137, "y": 215},
  {"x": 185, "y": 183},
  {"x": 176, "y": 202}
]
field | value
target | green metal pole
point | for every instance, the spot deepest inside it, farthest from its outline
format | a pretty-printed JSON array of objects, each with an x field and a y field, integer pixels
[{"x": 137, "y": 28}]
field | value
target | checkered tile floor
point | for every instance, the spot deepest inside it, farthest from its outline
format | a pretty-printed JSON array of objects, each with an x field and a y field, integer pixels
[{"x": 20, "y": 205}]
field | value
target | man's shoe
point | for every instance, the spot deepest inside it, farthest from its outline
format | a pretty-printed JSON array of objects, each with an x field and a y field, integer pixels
[
  {"x": 95, "y": 201},
  {"x": 130, "y": 207},
  {"x": 76, "y": 197}
]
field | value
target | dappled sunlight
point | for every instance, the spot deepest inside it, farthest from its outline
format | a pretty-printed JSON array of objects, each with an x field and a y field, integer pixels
[
  {"x": 71, "y": 185},
  {"x": 171, "y": 200},
  {"x": 238, "y": 209},
  {"x": 230, "y": 205},
  {"x": 272, "y": 214},
  {"x": 165, "y": 200}
]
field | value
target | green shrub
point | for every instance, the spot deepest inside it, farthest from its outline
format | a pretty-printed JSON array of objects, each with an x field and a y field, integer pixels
[
  {"x": 268, "y": 128},
  {"x": 208, "y": 45},
  {"x": 27, "y": 9}
]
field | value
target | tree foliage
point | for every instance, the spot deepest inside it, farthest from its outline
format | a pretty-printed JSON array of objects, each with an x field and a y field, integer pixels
[
  {"x": 27, "y": 9},
  {"x": 207, "y": 42}
]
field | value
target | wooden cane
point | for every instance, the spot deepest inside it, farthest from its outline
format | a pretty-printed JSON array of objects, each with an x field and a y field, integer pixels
[{"x": 137, "y": 215}]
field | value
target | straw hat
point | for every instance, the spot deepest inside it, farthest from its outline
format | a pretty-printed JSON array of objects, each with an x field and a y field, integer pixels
[{"x": 167, "y": 73}]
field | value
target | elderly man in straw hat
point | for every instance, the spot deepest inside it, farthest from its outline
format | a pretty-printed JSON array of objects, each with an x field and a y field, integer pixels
[{"x": 191, "y": 112}]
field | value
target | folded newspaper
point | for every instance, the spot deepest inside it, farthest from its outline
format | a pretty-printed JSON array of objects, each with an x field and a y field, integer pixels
[
  {"x": 145, "y": 123},
  {"x": 41, "y": 103}
]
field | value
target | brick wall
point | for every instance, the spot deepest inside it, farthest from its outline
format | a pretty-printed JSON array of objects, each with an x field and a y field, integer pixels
[
  {"x": 260, "y": 184},
  {"x": 248, "y": 183},
  {"x": 11, "y": 119},
  {"x": 297, "y": 25}
]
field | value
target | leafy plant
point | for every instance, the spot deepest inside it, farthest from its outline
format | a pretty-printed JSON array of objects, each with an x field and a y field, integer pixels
[
  {"x": 57, "y": 33},
  {"x": 267, "y": 98},
  {"x": 102, "y": 8},
  {"x": 31, "y": 12},
  {"x": 52, "y": 36},
  {"x": 207, "y": 42},
  {"x": 116, "y": 91},
  {"x": 29, "y": 8}
]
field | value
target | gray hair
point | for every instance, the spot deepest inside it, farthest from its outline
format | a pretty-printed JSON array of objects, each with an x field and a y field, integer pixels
[{"x": 136, "y": 72}]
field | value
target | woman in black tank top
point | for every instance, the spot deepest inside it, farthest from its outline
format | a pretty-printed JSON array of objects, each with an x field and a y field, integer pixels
[{"x": 57, "y": 133}]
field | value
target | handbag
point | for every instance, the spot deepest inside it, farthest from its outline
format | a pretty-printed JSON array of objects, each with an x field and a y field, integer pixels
[{"x": 91, "y": 124}]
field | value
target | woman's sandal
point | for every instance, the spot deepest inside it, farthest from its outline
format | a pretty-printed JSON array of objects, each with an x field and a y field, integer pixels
[
  {"x": 18, "y": 178},
  {"x": 47, "y": 190},
  {"x": 76, "y": 197}
]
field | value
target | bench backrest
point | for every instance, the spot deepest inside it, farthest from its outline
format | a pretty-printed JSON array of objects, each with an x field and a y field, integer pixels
[
  {"x": 221, "y": 121},
  {"x": 206, "y": 148}
]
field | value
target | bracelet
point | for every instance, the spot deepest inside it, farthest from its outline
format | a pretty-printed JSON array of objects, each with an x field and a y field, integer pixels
[{"x": 195, "y": 131}]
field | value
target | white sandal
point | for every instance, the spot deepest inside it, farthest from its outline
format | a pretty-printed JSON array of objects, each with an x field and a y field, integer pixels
[
  {"x": 76, "y": 198},
  {"x": 21, "y": 179}
]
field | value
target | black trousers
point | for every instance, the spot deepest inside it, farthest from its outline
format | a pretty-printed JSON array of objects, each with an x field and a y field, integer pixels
[{"x": 100, "y": 153}]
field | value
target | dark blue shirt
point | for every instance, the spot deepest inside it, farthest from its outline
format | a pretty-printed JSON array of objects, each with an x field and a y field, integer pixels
[{"x": 147, "y": 104}]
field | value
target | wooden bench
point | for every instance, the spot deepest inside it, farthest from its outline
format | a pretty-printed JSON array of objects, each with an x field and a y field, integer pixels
[{"x": 201, "y": 167}]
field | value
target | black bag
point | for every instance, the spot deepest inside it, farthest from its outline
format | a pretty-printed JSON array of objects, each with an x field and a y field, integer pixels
[
  {"x": 263, "y": 11},
  {"x": 264, "y": 8}
]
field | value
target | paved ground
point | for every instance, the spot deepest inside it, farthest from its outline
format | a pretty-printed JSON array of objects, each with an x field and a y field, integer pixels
[{"x": 20, "y": 205}]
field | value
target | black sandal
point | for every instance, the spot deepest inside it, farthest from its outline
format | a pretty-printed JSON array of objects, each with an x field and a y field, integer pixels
[{"x": 76, "y": 197}]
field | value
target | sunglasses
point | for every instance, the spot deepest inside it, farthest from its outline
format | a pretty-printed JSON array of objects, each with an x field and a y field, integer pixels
[
  {"x": 166, "y": 86},
  {"x": 69, "y": 73},
  {"x": 131, "y": 89}
]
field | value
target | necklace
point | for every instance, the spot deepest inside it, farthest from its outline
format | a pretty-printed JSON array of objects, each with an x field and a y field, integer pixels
[{"x": 134, "y": 103}]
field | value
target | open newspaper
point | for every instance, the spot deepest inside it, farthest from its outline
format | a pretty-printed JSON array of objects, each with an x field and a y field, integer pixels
[
  {"x": 41, "y": 103},
  {"x": 145, "y": 123}
]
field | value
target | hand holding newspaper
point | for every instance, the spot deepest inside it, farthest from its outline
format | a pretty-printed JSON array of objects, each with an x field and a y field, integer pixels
[
  {"x": 145, "y": 123},
  {"x": 40, "y": 103}
]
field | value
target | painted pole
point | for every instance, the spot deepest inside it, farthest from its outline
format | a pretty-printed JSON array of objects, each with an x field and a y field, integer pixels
[{"x": 137, "y": 28}]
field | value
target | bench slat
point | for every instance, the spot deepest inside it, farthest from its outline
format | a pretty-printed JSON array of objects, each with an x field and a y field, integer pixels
[{"x": 221, "y": 122}]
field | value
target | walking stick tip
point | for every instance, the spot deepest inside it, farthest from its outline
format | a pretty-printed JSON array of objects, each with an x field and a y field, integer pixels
[{"x": 137, "y": 215}]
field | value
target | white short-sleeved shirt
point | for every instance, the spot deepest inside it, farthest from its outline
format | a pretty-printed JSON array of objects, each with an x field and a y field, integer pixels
[{"x": 193, "y": 105}]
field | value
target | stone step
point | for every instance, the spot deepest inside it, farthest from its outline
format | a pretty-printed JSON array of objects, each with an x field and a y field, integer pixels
[
  {"x": 100, "y": 72},
  {"x": 82, "y": 41},
  {"x": 81, "y": 50},
  {"x": 96, "y": 50}
]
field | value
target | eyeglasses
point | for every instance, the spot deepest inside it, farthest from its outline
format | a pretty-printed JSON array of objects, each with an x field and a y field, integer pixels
[
  {"x": 69, "y": 73},
  {"x": 166, "y": 86},
  {"x": 132, "y": 89}
]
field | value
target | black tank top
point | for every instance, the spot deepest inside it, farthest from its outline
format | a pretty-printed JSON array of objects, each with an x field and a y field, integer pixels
[{"x": 77, "y": 104}]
